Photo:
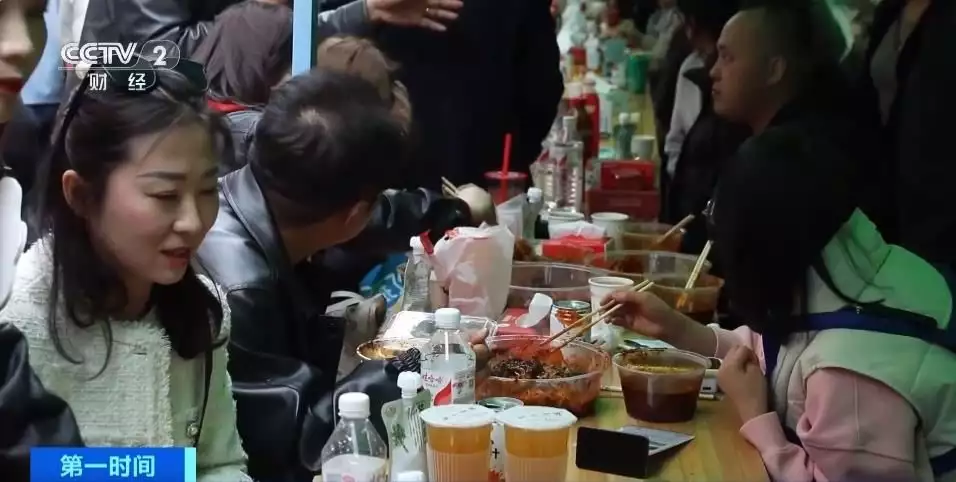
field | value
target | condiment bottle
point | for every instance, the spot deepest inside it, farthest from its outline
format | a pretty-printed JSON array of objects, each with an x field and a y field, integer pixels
[
  {"x": 592, "y": 108},
  {"x": 585, "y": 129}
]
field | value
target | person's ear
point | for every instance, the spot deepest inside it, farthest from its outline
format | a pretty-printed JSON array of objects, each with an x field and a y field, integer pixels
[
  {"x": 776, "y": 70},
  {"x": 75, "y": 192}
]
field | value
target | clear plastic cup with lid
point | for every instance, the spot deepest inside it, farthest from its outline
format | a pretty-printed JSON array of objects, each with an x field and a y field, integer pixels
[
  {"x": 536, "y": 439},
  {"x": 459, "y": 441}
]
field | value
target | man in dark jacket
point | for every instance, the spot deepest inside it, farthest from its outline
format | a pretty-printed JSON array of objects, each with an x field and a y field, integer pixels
[
  {"x": 29, "y": 415},
  {"x": 186, "y": 22},
  {"x": 493, "y": 72},
  {"x": 710, "y": 140},
  {"x": 326, "y": 146}
]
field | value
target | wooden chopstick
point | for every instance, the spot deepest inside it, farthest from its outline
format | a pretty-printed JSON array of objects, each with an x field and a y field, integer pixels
[
  {"x": 692, "y": 279},
  {"x": 670, "y": 232},
  {"x": 587, "y": 317},
  {"x": 449, "y": 186},
  {"x": 605, "y": 315}
]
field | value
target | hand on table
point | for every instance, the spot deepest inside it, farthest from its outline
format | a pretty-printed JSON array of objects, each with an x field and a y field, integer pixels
[
  {"x": 744, "y": 383},
  {"x": 482, "y": 353},
  {"x": 430, "y": 14}
]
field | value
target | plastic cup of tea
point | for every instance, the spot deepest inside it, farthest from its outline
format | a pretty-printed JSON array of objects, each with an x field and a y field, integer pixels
[
  {"x": 661, "y": 385},
  {"x": 536, "y": 440},
  {"x": 459, "y": 442},
  {"x": 642, "y": 146},
  {"x": 513, "y": 182},
  {"x": 613, "y": 224}
]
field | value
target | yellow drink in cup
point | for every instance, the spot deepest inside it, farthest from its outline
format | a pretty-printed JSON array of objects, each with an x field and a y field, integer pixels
[
  {"x": 459, "y": 441},
  {"x": 536, "y": 439}
]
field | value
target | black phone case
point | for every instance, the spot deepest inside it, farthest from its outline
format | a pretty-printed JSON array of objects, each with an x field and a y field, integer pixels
[{"x": 612, "y": 452}]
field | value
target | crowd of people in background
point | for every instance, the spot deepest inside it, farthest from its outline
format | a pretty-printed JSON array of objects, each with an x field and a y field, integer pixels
[{"x": 186, "y": 243}]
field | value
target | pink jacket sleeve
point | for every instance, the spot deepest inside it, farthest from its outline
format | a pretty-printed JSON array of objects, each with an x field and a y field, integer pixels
[{"x": 844, "y": 429}]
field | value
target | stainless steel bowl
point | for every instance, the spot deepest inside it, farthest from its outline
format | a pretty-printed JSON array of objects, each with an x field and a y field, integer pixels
[{"x": 388, "y": 348}]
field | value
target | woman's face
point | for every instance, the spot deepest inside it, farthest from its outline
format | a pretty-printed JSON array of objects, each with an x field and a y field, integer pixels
[
  {"x": 16, "y": 49},
  {"x": 157, "y": 206}
]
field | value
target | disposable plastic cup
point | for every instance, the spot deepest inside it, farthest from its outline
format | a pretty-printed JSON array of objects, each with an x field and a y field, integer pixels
[
  {"x": 536, "y": 440},
  {"x": 459, "y": 442}
]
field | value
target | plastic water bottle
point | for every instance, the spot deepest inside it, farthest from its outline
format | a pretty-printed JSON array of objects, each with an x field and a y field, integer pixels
[
  {"x": 415, "y": 292},
  {"x": 448, "y": 362},
  {"x": 355, "y": 452}
]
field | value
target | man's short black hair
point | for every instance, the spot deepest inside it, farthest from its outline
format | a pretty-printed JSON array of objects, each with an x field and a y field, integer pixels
[
  {"x": 326, "y": 140},
  {"x": 804, "y": 32},
  {"x": 708, "y": 16}
]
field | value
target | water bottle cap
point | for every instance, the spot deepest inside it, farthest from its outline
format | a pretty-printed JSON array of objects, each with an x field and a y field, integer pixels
[
  {"x": 416, "y": 244},
  {"x": 535, "y": 194},
  {"x": 409, "y": 383},
  {"x": 635, "y": 117},
  {"x": 624, "y": 118},
  {"x": 447, "y": 318},
  {"x": 354, "y": 405},
  {"x": 410, "y": 476}
]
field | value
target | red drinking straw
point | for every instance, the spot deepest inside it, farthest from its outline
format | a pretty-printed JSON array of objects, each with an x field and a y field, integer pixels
[{"x": 506, "y": 163}]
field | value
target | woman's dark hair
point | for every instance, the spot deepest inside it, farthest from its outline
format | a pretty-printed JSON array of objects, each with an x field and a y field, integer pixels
[
  {"x": 780, "y": 200},
  {"x": 93, "y": 139},
  {"x": 708, "y": 16},
  {"x": 325, "y": 141},
  {"x": 247, "y": 52}
]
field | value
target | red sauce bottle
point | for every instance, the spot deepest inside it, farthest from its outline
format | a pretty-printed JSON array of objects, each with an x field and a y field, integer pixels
[
  {"x": 592, "y": 106},
  {"x": 585, "y": 127}
]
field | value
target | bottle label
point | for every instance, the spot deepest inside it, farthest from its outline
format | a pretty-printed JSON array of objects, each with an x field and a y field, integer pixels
[
  {"x": 355, "y": 468},
  {"x": 379, "y": 476},
  {"x": 449, "y": 387}
]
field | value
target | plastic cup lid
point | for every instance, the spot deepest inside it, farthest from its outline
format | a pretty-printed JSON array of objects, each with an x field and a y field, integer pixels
[
  {"x": 537, "y": 418},
  {"x": 458, "y": 416}
]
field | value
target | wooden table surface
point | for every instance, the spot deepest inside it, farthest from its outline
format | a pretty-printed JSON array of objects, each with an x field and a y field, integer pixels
[{"x": 717, "y": 453}]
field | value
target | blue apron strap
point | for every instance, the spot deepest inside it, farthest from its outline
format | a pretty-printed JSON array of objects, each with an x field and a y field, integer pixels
[{"x": 943, "y": 464}]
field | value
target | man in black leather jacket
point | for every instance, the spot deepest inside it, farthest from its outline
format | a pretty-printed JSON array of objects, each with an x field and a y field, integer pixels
[
  {"x": 325, "y": 146},
  {"x": 186, "y": 22},
  {"x": 29, "y": 415}
]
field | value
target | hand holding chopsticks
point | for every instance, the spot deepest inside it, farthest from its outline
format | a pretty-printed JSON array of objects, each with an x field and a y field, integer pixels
[{"x": 604, "y": 313}]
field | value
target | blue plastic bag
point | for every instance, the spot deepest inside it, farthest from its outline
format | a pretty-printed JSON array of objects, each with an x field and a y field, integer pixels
[{"x": 386, "y": 279}]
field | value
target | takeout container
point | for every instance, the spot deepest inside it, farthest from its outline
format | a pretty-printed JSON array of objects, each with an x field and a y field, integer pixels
[
  {"x": 557, "y": 280},
  {"x": 700, "y": 301},
  {"x": 407, "y": 325},
  {"x": 660, "y": 385},
  {"x": 644, "y": 236},
  {"x": 388, "y": 348},
  {"x": 576, "y": 394},
  {"x": 640, "y": 265}
]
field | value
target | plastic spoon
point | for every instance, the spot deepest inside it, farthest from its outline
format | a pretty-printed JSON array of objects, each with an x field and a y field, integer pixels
[{"x": 538, "y": 309}]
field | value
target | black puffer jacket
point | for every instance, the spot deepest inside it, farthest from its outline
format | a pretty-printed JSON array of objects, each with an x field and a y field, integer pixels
[{"x": 29, "y": 415}]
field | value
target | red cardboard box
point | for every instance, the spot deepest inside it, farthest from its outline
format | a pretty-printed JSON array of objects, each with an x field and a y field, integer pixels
[
  {"x": 572, "y": 249},
  {"x": 627, "y": 175},
  {"x": 508, "y": 325},
  {"x": 639, "y": 205}
]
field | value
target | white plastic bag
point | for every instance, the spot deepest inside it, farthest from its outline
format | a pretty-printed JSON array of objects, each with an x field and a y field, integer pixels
[
  {"x": 474, "y": 266},
  {"x": 583, "y": 229}
]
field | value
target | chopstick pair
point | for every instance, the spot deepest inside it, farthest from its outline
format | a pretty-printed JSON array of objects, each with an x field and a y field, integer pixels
[
  {"x": 692, "y": 279},
  {"x": 673, "y": 230},
  {"x": 448, "y": 187},
  {"x": 604, "y": 312}
]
